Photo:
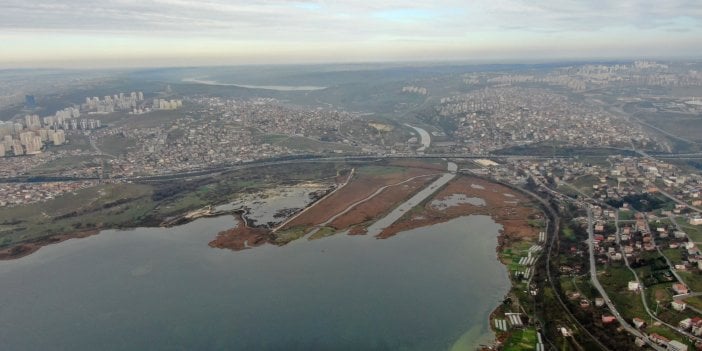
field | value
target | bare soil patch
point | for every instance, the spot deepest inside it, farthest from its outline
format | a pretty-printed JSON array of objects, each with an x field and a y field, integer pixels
[
  {"x": 360, "y": 187},
  {"x": 241, "y": 237},
  {"x": 507, "y": 207},
  {"x": 380, "y": 204}
]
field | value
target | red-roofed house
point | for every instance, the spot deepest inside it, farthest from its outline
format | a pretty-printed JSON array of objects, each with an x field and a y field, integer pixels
[
  {"x": 659, "y": 339},
  {"x": 696, "y": 323},
  {"x": 680, "y": 288},
  {"x": 608, "y": 319}
]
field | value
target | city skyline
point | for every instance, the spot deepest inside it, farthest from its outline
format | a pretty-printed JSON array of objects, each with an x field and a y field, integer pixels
[{"x": 176, "y": 32}]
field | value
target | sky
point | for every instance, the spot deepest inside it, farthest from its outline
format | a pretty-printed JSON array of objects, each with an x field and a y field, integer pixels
[{"x": 116, "y": 33}]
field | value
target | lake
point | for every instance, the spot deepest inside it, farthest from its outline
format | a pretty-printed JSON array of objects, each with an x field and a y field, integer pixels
[{"x": 165, "y": 289}]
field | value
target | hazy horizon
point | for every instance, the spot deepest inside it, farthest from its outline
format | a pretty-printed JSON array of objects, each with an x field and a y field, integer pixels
[{"x": 127, "y": 33}]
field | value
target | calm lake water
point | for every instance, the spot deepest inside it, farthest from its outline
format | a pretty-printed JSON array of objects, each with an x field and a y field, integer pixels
[{"x": 165, "y": 289}]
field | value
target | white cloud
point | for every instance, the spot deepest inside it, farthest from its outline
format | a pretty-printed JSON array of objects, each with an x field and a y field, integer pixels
[
  {"x": 329, "y": 18},
  {"x": 391, "y": 25}
]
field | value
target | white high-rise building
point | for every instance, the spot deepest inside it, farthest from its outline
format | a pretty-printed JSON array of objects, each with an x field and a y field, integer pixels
[
  {"x": 26, "y": 137},
  {"x": 44, "y": 134},
  {"x": 6, "y": 128},
  {"x": 58, "y": 137},
  {"x": 32, "y": 121},
  {"x": 34, "y": 145},
  {"x": 17, "y": 148},
  {"x": 7, "y": 141}
]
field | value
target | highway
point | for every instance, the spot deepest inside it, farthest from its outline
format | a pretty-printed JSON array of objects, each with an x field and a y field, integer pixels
[
  {"x": 311, "y": 158},
  {"x": 644, "y": 154},
  {"x": 424, "y": 135},
  {"x": 678, "y": 201},
  {"x": 262, "y": 163}
]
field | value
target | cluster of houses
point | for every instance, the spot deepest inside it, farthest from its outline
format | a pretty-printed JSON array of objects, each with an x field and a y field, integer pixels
[
  {"x": 637, "y": 237},
  {"x": 625, "y": 176},
  {"x": 634, "y": 238}
]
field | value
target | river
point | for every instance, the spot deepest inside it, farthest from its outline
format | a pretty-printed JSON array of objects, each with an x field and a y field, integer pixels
[{"x": 165, "y": 289}]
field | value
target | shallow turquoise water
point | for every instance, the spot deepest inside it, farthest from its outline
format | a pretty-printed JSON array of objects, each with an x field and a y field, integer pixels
[{"x": 165, "y": 289}]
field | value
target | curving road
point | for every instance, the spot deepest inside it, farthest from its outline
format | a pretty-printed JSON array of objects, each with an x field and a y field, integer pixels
[
  {"x": 424, "y": 135},
  {"x": 601, "y": 290}
]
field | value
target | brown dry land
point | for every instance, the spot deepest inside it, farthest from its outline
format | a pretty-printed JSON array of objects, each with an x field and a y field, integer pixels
[
  {"x": 366, "y": 181},
  {"x": 511, "y": 209},
  {"x": 438, "y": 167},
  {"x": 360, "y": 187},
  {"x": 507, "y": 207},
  {"x": 241, "y": 237},
  {"x": 380, "y": 204}
]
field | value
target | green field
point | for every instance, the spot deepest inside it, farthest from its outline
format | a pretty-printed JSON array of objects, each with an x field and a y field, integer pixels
[
  {"x": 107, "y": 205},
  {"x": 115, "y": 145},
  {"x": 693, "y": 231},
  {"x": 323, "y": 233},
  {"x": 568, "y": 190},
  {"x": 674, "y": 255},
  {"x": 693, "y": 280},
  {"x": 130, "y": 205},
  {"x": 380, "y": 170},
  {"x": 615, "y": 280},
  {"x": 585, "y": 183},
  {"x": 305, "y": 144},
  {"x": 568, "y": 233},
  {"x": 684, "y": 125},
  {"x": 626, "y": 215},
  {"x": 695, "y": 301},
  {"x": 67, "y": 163},
  {"x": 521, "y": 340},
  {"x": 74, "y": 141}
]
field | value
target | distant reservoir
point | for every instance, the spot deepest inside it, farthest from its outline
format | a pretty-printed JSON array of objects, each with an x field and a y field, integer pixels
[{"x": 266, "y": 87}]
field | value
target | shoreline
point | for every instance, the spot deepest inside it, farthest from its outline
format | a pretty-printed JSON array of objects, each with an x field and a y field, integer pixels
[
  {"x": 27, "y": 248},
  {"x": 506, "y": 205}
]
